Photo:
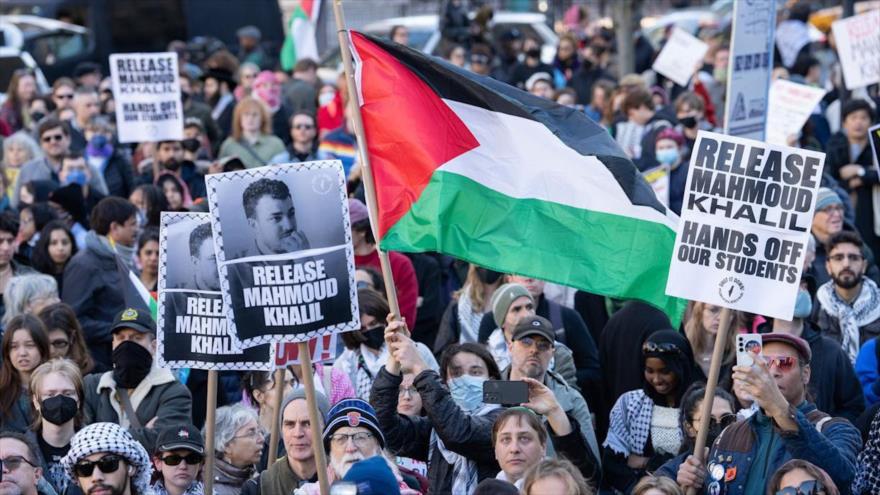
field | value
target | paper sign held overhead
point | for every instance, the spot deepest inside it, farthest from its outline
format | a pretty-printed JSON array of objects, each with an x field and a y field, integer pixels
[
  {"x": 745, "y": 221},
  {"x": 680, "y": 57},
  {"x": 146, "y": 89}
]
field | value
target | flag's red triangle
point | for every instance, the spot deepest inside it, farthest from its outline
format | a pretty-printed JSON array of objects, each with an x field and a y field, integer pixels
[{"x": 410, "y": 131}]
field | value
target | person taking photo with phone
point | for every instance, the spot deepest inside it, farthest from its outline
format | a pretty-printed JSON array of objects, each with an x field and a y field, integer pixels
[
  {"x": 455, "y": 435},
  {"x": 786, "y": 426}
]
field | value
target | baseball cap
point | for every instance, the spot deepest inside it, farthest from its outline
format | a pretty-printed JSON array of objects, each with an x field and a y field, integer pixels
[
  {"x": 184, "y": 436},
  {"x": 134, "y": 319},
  {"x": 534, "y": 325},
  {"x": 799, "y": 344}
]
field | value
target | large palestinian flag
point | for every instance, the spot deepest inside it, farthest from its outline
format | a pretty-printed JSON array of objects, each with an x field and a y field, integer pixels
[{"x": 477, "y": 169}]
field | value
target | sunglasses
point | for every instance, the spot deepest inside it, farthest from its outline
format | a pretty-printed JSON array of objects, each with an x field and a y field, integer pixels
[
  {"x": 725, "y": 421},
  {"x": 543, "y": 345},
  {"x": 784, "y": 363},
  {"x": 53, "y": 137},
  {"x": 107, "y": 464},
  {"x": 810, "y": 487},
  {"x": 191, "y": 459},
  {"x": 661, "y": 348}
]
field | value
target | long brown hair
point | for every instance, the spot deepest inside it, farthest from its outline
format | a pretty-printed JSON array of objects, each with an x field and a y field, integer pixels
[
  {"x": 698, "y": 335},
  {"x": 60, "y": 316},
  {"x": 813, "y": 470},
  {"x": 10, "y": 380},
  {"x": 12, "y": 91},
  {"x": 245, "y": 104}
]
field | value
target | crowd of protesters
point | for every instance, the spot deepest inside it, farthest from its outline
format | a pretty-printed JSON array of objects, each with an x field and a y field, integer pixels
[{"x": 614, "y": 389}]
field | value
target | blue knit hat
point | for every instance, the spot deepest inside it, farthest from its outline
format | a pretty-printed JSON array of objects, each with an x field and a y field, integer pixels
[
  {"x": 373, "y": 477},
  {"x": 352, "y": 413},
  {"x": 827, "y": 197}
]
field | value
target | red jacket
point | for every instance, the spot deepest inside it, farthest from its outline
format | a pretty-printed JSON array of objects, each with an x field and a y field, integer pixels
[{"x": 404, "y": 280}]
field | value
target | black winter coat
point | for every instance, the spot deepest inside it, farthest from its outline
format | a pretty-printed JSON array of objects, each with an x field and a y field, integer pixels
[
  {"x": 837, "y": 155},
  {"x": 462, "y": 433}
]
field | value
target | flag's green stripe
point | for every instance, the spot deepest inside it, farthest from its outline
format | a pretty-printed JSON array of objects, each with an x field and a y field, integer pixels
[{"x": 602, "y": 253}]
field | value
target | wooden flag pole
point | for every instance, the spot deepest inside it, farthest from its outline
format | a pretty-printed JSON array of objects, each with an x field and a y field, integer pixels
[
  {"x": 367, "y": 172},
  {"x": 276, "y": 403},
  {"x": 308, "y": 379},
  {"x": 711, "y": 384},
  {"x": 210, "y": 420}
]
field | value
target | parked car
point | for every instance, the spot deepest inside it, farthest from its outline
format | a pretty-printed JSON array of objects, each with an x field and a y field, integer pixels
[
  {"x": 55, "y": 46},
  {"x": 424, "y": 35}
]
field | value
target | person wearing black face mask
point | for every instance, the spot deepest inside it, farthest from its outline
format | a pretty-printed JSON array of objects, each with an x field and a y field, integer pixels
[
  {"x": 689, "y": 419},
  {"x": 530, "y": 64},
  {"x": 365, "y": 350},
  {"x": 144, "y": 395},
  {"x": 56, "y": 392},
  {"x": 461, "y": 320}
]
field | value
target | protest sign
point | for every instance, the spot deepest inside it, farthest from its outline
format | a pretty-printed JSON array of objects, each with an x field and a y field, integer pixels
[
  {"x": 745, "y": 221},
  {"x": 790, "y": 106},
  {"x": 658, "y": 178},
  {"x": 322, "y": 349},
  {"x": 680, "y": 57},
  {"x": 874, "y": 134},
  {"x": 748, "y": 74},
  {"x": 193, "y": 330},
  {"x": 146, "y": 89},
  {"x": 858, "y": 47},
  {"x": 283, "y": 241}
]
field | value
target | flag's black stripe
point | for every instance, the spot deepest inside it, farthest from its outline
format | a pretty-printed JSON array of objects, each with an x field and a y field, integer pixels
[{"x": 571, "y": 126}]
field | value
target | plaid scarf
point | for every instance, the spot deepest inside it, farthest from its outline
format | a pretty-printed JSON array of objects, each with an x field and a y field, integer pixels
[{"x": 630, "y": 423}]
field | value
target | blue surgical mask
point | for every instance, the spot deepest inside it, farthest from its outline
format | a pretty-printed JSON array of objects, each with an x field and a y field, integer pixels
[
  {"x": 98, "y": 141},
  {"x": 77, "y": 177},
  {"x": 467, "y": 392},
  {"x": 667, "y": 156},
  {"x": 803, "y": 305}
]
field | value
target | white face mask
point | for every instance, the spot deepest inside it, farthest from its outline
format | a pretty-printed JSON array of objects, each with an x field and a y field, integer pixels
[{"x": 326, "y": 97}]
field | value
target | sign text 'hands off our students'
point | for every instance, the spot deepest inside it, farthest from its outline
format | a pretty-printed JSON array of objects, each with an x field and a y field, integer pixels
[{"x": 745, "y": 221}]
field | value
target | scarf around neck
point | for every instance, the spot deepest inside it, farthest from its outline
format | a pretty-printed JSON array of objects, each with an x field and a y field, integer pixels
[{"x": 864, "y": 310}]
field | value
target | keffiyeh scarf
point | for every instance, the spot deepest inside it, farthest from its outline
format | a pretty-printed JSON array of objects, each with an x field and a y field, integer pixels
[
  {"x": 630, "y": 423},
  {"x": 864, "y": 310},
  {"x": 464, "y": 471},
  {"x": 112, "y": 439},
  {"x": 468, "y": 319}
]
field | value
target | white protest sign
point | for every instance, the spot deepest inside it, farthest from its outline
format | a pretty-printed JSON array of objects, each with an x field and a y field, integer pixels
[
  {"x": 748, "y": 75},
  {"x": 790, "y": 106},
  {"x": 745, "y": 221},
  {"x": 146, "y": 88},
  {"x": 680, "y": 57},
  {"x": 858, "y": 46}
]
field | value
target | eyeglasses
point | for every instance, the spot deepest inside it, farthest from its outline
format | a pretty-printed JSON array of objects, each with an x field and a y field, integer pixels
[
  {"x": 661, "y": 348},
  {"x": 307, "y": 127},
  {"x": 479, "y": 59},
  {"x": 784, "y": 363},
  {"x": 543, "y": 345},
  {"x": 66, "y": 96},
  {"x": 852, "y": 257},
  {"x": 107, "y": 464},
  {"x": 14, "y": 462},
  {"x": 191, "y": 459},
  {"x": 809, "y": 487},
  {"x": 52, "y": 137},
  {"x": 411, "y": 391},
  {"x": 60, "y": 344},
  {"x": 359, "y": 439},
  {"x": 252, "y": 433}
]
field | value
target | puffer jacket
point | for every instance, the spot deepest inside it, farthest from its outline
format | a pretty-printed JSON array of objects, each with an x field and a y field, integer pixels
[{"x": 462, "y": 433}]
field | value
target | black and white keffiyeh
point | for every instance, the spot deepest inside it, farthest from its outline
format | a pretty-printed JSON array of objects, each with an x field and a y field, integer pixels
[
  {"x": 865, "y": 309},
  {"x": 112, "y": 439},
  {"x": 630, "y": 423},
  {"x": 868, "y": 467}
]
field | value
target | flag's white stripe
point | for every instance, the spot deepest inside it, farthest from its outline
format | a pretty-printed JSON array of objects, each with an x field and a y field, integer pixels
[
  {"x": 522, "y": 159},
  {"x": 139, "y": 287}
]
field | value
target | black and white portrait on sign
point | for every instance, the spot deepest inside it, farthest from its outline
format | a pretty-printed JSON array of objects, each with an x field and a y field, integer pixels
[
  {"x": 283, "y": 246},
  {"x": 193, "y": 329}
]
